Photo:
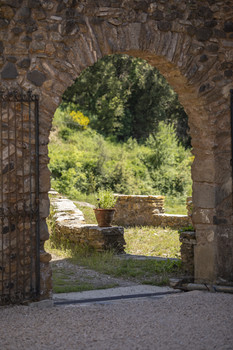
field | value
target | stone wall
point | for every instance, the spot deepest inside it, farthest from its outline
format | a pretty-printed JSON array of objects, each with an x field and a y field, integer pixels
[
  {"x": 140, "y": 210},
  {"x": 21, "y": 253},
  {"x": 137, "y": 210},
  {"x": 171, "y": 220},
  {"x": 70, "y": 228},
  {"x": 188, "y": 242},
  {"x": 45, "y": 45}
]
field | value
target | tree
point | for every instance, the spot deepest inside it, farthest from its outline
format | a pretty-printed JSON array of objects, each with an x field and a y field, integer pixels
[{"x": 126, "y": 97}]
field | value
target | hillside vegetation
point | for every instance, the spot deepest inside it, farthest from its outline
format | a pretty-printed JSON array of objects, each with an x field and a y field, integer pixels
[
  {"x": 82, "y": 161},
  {"x": 120, "y": 126},
  {"x": 125, "y": 97}
]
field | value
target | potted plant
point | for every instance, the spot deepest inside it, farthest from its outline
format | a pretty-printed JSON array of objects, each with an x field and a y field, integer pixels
[{"x": 105, "y": 211}]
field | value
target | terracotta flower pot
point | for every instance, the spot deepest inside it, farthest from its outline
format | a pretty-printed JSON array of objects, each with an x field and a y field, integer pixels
[{"x": 104, "y": 217}]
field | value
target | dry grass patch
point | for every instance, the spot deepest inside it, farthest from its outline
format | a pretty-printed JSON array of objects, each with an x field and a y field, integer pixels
[{"x": 152, "y": 241}]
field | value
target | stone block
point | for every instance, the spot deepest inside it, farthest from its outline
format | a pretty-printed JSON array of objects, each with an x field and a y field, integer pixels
[
  {"x": 203, "y": 216},
  {"x": 204, "y": 195},
  {"x": 188, "y": 241},
  {"x": 6, "y": 12},
  {"x": 24, "y": 13},
  {"x": 36, "y": 77},
  {"x": 43, "y": 304},
  {"x": 45, "y": 281},
  {"x": 228, "y": 26},
  {"x": 224, "y": 191},
  {"x": 205, "y": 262},
  {"x": 45, "y": 257},
  {"x": 9, "y": 71},
  {"x": 171, "y": 220},
  {"x": 204, "y": 167},
  {"x": 44, "y": 233},
  {"x": 204, "y": 33},
  {"x": 24, "y": 63},
  {"x": 137, "y": 210},
  {"x": 224, "y": 256},
  {"x": 165, "y": 26},
  {"x": 44, "y": 179},
  {"x": 44, "y": 207}
]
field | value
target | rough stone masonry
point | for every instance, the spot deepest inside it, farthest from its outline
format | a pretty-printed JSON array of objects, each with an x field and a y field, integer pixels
[{"x": 46, "y": 44}]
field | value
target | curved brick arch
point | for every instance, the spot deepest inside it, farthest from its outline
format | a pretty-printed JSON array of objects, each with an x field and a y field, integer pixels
[{"x": 46, "y": 44}]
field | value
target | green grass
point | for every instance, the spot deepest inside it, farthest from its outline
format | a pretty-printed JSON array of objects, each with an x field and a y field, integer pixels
[
  {"x": 88, "y": 213},
  {"x": 148, "y": 271},
  {"x": 142, "y": 271},
  {"x": 89, "y": 198},
  {"x": 147, "y": 241},
  {"x": 152, "y": 241},
  {"x": 175, "y": 205},
  {"x": 61, "y": 284},
  {"x": 64, "y": 283}
]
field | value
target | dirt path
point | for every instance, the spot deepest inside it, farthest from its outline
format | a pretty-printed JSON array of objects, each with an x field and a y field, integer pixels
[{"x": 74, "y": 274}]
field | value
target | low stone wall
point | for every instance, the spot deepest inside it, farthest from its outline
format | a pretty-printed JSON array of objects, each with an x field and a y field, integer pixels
[
  {"x": 148, "y": 211},
  {"x": 171, "y": 220},
  {"x": 66, "y": 211},
  {"x": 137, "y": 210},
  {"x": 93, "y": 236},
  {"x": 70, "y": 227}
]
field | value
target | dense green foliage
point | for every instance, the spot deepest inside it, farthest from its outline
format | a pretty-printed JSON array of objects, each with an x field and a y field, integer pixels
[
  {"x": 83, "y": 161},
  {"x": 125, "y": 98},
  {"x": 121, "y": 127}
]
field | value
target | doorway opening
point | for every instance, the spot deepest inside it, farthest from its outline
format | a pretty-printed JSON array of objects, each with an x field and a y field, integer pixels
[{"x": 121, "y": 127}]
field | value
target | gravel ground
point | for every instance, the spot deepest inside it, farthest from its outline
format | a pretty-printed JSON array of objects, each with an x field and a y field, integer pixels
[{"x": 194, "y": 320}]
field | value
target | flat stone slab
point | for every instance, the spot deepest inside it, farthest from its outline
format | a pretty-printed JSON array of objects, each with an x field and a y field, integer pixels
[
  {"x": 172, "y": 215},
  {"x": 43, "y": 304},
  {"x": 120, "y": 292},
  {"x": 138, "y": 196},
  {"x": 144, "y": 257},
  {"x": 66, "y": 210},
  {"x": 64, "y": 205},
  {"x": 106, "y": 230}
]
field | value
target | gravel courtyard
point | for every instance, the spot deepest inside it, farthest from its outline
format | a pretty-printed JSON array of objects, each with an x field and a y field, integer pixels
[{"x": 194, "y": 320}]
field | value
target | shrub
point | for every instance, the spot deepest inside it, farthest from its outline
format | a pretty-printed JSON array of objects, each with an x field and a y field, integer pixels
[
  {"x": 106, "y": 199},
  {"x": 82, "y": 161}
]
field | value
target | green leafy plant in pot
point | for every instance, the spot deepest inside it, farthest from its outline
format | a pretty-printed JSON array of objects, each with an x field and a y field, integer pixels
[{"x": 105, "y": 211}]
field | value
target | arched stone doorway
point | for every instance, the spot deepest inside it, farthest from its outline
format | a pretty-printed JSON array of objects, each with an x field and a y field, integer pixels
[{"x": 46, "y": 44}]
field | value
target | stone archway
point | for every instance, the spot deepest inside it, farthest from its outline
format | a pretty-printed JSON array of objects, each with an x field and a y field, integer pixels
[{"x": 46, "y": 44}]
